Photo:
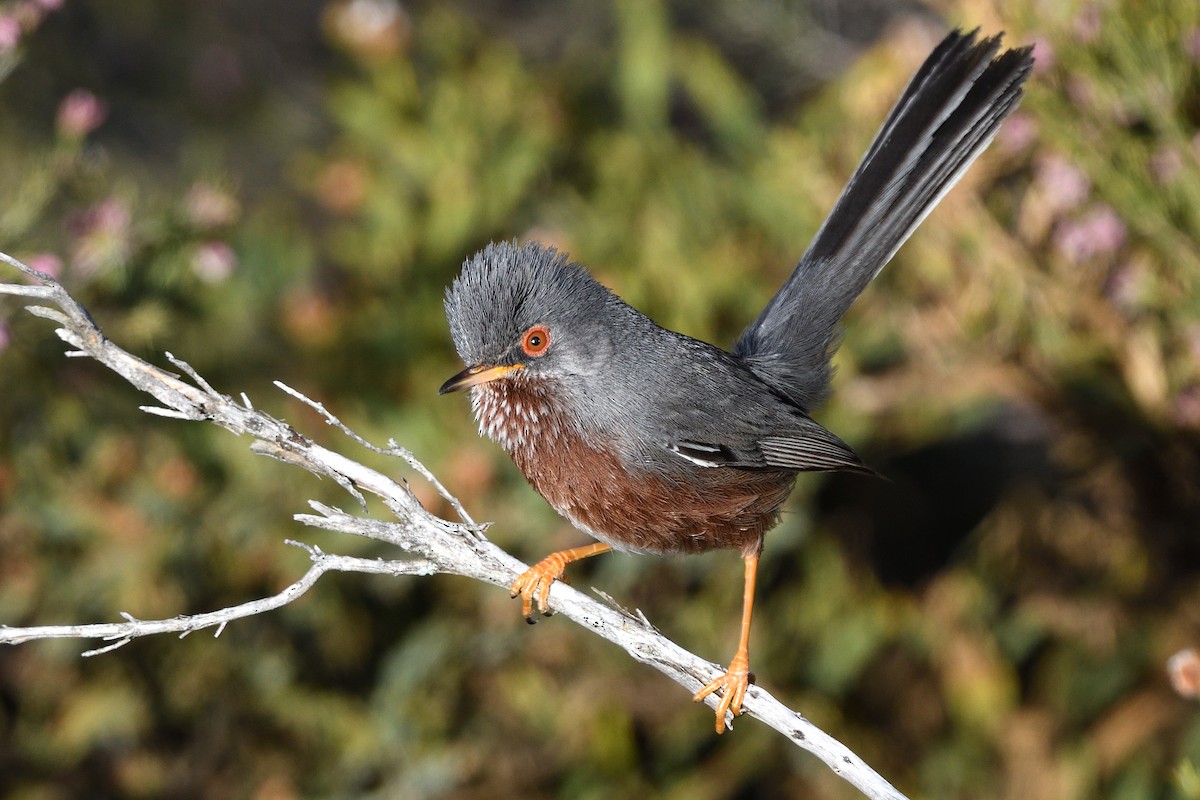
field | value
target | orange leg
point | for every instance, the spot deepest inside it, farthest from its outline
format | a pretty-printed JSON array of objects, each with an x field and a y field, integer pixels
[
  {"x": 535, "y": 581},
  {"x": 733, "y": 683}
]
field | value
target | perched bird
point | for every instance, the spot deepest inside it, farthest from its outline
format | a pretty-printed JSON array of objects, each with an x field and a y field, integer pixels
[{"x": 653, "y": 442}]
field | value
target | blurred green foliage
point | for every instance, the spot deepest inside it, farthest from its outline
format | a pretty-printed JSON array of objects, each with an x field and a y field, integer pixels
[{"x": 278, "y": 190}]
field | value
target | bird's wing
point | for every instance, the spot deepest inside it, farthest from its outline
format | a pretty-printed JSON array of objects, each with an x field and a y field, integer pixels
[
  {"x": 715, "y": 412},
  {"x": 802, "y": 445},
  {"x": 708, "y": 409}
]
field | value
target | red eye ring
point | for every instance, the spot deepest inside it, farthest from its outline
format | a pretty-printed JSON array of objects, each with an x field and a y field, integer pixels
[{"x": 536, "y": 340}]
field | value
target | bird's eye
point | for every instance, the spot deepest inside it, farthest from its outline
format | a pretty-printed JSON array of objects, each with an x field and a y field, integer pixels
[{"x": 536, "y": 340}]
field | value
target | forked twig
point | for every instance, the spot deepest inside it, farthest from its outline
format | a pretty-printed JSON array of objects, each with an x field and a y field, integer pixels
[{"x": 432, "y": 544}]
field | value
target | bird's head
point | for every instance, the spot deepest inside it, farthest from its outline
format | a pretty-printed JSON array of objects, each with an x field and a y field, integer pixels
[{"x": 527, "y": 312}]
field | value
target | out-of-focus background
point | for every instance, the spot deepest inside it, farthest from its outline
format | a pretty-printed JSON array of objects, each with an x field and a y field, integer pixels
[{"x": 281, "y": 189}]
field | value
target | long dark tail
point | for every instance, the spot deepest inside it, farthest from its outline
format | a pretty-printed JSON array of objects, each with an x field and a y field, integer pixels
[{"x": 949, "y": 113}]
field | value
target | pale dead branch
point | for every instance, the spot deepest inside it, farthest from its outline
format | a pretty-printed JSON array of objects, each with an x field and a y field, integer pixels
[{"x": 432, "y": 544}]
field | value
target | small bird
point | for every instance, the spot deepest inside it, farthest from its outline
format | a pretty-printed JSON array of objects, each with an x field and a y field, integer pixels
[{"x": 653, "y": 442}]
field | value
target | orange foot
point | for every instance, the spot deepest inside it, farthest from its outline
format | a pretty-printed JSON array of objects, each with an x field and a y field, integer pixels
[
  {"x": 732, "y": 686},
  {"x": 535, "y": 581}
]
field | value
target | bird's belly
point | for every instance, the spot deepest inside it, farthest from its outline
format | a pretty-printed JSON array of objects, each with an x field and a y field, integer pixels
[{"x": 630, "y": 507}]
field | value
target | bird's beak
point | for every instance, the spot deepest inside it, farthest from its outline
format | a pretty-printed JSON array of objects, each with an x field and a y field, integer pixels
[{"x": 473, "y": 376}]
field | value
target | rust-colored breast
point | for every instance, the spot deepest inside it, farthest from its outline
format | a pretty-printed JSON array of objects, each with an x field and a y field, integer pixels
[{"x": 630, "y": 508}]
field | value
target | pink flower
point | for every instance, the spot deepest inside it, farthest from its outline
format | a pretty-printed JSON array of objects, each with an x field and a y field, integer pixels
[
  {"x": 48, "y": 263},
  {"x": 49, "y": 5},
  {"x": 1043, "y": 55},
  {"x": 214, "y": 262},
  {"x": 1099, "y": 232},
  {"x": 10, "y": 32},
  {"x": 80, "y": 113},
  {"x": 1065, "y": 185},
  {"x": 208, "y": 206},
  {"x": 103, "y": 237},
  {"x": 4, "y": 337},
  {"x": 1018, "y": 133}
]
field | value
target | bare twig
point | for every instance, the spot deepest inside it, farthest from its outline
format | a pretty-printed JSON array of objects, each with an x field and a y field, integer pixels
[
  {"x": 121, "y": 633},
  {"x": 433, "y": 544},
  {"x": 392, "y": 449}
]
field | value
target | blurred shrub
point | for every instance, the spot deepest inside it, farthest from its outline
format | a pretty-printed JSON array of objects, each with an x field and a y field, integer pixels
[{"x": 281, "y": 191}]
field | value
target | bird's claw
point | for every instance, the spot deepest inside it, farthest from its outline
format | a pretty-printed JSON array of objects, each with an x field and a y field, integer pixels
[
  {"x": 732, "y": 686},
  {"x": 534, "y": 584}
]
